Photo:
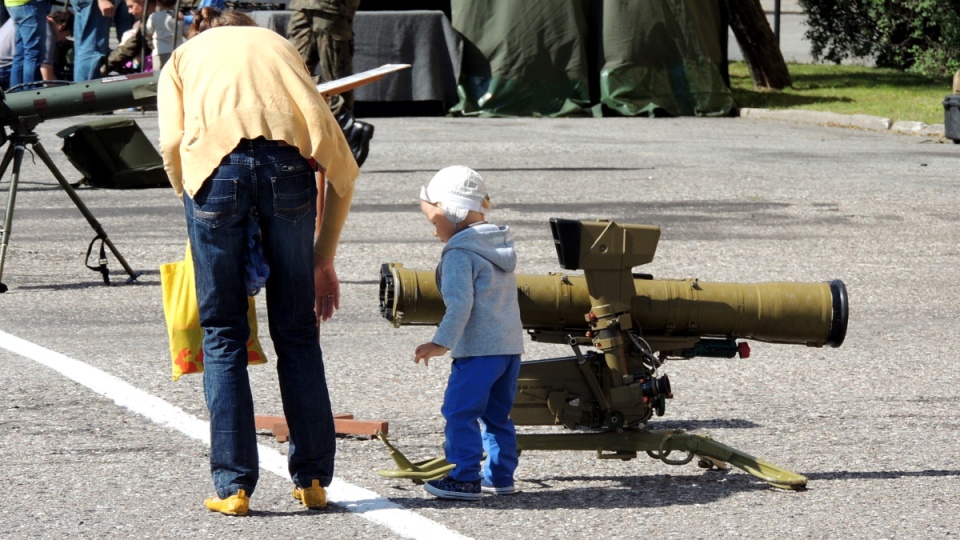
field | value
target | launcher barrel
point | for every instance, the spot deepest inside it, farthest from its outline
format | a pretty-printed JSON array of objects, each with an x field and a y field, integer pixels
[{"x": 813, "y": 314}]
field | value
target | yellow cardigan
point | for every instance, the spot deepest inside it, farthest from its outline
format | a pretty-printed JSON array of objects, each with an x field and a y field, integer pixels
[{"x": 238, "y": 82}]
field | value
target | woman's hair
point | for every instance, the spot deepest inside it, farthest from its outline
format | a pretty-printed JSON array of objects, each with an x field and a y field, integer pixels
[{"x": 209, "y": 17}]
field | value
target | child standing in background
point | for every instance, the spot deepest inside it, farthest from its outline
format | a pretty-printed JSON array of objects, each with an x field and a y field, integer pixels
[
  {"x": 161, "y": 30},
  {"x": 481, "y": 329}
]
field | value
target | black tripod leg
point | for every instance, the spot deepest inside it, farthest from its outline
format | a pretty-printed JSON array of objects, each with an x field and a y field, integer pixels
[
  {"x": 7, "y": 157},
  {"x": 15, "y": 152},
  {"x": 38, "y": 148}
]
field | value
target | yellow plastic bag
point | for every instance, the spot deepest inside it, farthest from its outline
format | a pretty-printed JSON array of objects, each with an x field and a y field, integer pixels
[{"x": 183, "y": 319}]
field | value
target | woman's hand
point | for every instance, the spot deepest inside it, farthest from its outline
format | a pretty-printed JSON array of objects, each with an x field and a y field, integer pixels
[{"x": 327, "y": 286}]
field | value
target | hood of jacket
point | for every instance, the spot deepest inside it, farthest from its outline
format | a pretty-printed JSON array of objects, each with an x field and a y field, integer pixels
[{"x": 492, "y": 242}]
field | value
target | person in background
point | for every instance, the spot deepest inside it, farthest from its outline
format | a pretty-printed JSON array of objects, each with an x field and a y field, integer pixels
[
  {"x": 59, "y": 29},
  {"x": 322, "y": 31},
  {"x": 122, "y": 18},
  {"x": 242, "y": 128},
  {"x": 218, "y": 4},
  {"x": 161, "y": 31},
  {"x": 8, "y": 43},
  {"x": 91, "y": 27},
  {"x": 30, "y": 20},
  {"x": 127, "y": 56},
  {"x": 481, "y": 330},
  {"x": 91, "y": 33}
]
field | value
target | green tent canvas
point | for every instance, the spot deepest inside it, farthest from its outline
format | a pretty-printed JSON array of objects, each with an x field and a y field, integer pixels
[{"x": 592, "y": 57}]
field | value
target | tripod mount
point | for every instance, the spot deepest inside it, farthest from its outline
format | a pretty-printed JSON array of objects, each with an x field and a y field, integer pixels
[{"x": 22, "y": 112}]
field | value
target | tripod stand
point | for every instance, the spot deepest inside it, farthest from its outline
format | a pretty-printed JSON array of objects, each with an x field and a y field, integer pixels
[{"x": 23, "y": 134}]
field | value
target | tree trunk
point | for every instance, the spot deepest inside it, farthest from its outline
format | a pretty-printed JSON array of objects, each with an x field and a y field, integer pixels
[{"x": 758, "y": 44}]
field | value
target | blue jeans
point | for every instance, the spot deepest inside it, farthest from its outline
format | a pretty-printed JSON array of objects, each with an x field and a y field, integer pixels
[
  {"x": 30, "y": 44},
  {"x": 5, "y": 78},
  {"x": 122, "y": 19},
  {"x": 91, "y": 39},
  {"x": 279, "y": 187},
  {"x": 476, "y": 406}
]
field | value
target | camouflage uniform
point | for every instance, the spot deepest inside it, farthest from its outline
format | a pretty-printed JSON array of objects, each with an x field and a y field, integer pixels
[
  {"x": 125, "y": 52},
  {"x": 322, "y": 30}
]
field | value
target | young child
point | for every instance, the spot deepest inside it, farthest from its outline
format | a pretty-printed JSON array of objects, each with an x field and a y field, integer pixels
[
  {"x": 161, "y": 30},
  {"x": 482, "y": 331}
]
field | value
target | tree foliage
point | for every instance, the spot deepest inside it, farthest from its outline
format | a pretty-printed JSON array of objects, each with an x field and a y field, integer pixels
[{"x": 921, "y": 36}]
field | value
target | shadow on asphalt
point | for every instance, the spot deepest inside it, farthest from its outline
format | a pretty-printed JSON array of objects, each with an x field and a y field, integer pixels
[{"x": 652, "y": 491}]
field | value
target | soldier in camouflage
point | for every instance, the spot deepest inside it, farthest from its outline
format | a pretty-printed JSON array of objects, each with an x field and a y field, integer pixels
[{"x": 322, "y": 30}]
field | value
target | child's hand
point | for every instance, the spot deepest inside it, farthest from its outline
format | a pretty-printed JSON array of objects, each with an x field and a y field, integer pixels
[{"x": 427, "y": 351}]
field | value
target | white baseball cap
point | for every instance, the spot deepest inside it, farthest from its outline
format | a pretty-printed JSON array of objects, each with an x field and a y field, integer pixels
[{"x": 457, "y": 190}]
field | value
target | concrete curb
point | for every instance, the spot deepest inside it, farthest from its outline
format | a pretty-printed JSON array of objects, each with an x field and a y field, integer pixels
[{"x": 858, "y": 121}]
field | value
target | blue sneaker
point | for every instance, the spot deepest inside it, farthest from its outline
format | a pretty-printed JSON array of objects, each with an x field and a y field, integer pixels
[
  {"x": 448, "y": 488},
  {"x": 490, "y": 489}
]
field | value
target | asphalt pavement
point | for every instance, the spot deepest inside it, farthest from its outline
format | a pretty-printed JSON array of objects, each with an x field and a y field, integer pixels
[{"x": 98, "y": 442}]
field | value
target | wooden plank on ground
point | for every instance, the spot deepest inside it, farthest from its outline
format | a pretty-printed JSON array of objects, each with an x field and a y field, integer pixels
[{"x": 344, "y": 424}]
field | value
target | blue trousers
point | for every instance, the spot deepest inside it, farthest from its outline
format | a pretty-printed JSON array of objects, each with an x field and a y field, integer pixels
[
  {"x": 280, "y": 187},
  {"x": 91, "y": 36},
  {"x": 30, "y": 43},
  {"x": 476, "y": 407}
]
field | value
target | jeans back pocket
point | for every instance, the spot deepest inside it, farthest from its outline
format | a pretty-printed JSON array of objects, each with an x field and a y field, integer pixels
[
  {"x": 216, "y": 202},
  {"x": 294, "y": 190}
]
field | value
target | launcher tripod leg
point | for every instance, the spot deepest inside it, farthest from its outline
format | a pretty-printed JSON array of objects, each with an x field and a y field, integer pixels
[
  {"x": 14, "y": 152},
  {"x": 38, "y": 148},
  {"x": 18, "y": 142},
  {"x": 624, "y": 444}
]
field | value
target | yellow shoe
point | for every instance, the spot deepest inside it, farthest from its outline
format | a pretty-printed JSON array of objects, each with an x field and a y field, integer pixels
[
  {"x": 314, "y": 497},
  {"x": 234, "y": 505}
]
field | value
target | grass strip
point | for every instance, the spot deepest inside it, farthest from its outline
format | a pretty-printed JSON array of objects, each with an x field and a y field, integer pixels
[{"x": 848, "y": 89}]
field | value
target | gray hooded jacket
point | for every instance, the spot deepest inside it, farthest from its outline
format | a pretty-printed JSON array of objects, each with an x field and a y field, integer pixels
[{"x": 479, "y": 288}]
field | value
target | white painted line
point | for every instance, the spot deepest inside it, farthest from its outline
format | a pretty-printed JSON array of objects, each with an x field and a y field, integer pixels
[{"x": 367, "y": 504}]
